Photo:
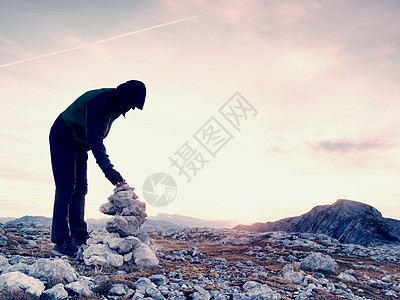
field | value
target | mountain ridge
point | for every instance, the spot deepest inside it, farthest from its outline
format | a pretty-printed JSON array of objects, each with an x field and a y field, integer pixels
[
  {"x": 348, "y": 221},
  {"x": 163, "y": 221}
]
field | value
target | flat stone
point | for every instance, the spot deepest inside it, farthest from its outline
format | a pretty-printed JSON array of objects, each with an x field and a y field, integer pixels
[{"x": 123, "y": 225}]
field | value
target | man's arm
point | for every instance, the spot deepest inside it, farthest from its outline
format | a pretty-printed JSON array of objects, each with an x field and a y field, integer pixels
[{"x": 98, "y": 114}]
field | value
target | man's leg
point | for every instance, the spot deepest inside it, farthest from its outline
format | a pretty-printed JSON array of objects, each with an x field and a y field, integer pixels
[
  {"x": 63, "y": 161},
  {"x": 77, "y": 208}
]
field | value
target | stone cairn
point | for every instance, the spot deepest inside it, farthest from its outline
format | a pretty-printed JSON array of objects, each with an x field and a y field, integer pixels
[{"x": 122, "y": 243}]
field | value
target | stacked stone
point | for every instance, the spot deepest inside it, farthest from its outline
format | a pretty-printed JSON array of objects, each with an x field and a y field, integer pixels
[
  {"x": 129, "y": 213},
  {"x": 122, "y": 243}
]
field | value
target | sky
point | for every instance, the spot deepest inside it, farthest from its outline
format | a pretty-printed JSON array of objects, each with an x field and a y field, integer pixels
[{"x": 256, "y": 110}]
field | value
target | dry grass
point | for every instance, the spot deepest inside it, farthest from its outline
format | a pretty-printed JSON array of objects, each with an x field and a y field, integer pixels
[{"x": 16, "y": 295}]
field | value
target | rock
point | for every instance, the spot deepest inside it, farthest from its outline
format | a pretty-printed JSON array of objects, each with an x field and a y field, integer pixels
[
  {"x": 21, "y": 281},
  {"x": 3, "y": 264},
  {"x": 101, "y": 237},
  {"x": 288, "y": 267},
  {"x": 122, "y": 246},
  {"x": 136, "y": 242},
  {"x": 53, "y": 270},
  {"x": 250, "y": 285},
  {"x": 200, "y": 294},
  {"x": 118, "y": 290},
  {"x": 143, "y": 283},
  {"x": 99, "y": 254},
  {"x": 136, "y": 208},
  {"x": 108, "y": 209},
  {"x": 293, "y": 277},
  {"x": 193, "y": 251},
  {"x": 57, "y": 292},
  {"x": 154, "y": 293},
  {"x": 347, "y": 277},
  {"x": 80, "y": 288},
  {"x": 128, "y": 257},
  {"x": 319, "y": 263},
  {"x": 21, "y": 267},
  {"x": 144, "y": 257},
  {"x": 219, "y": 260},
  {"x": 100, "y": 278},
  {"x": 262, "y": 292},
  {"x": 158, "y": 280},
  {"x": 123, "y": 225}
]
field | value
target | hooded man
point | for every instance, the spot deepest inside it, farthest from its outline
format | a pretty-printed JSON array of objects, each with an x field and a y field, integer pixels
[{"x": 80, "y": 128}]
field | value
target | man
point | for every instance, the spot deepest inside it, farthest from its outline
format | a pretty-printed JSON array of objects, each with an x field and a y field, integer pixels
[{"x": 80, "y": 128}]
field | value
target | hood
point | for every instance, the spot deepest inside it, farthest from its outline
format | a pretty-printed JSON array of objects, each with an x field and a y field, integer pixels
[{"x": 131, "y": 94}]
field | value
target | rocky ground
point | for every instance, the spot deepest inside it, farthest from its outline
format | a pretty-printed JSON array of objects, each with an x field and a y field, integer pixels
[{"x": 203, "y": 263}]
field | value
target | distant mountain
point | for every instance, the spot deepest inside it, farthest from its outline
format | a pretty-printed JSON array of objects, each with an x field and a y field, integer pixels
[
  {"x": 165, "y": 222},
  {"x": 185, "y": 221},
  {"x": 165, "y": 226},
  {"x": 38, "y": 220},
  {"x": 4, "y": 220},
  {"x": 348, "y": 221},
  {"x": 96, "y": 224}
]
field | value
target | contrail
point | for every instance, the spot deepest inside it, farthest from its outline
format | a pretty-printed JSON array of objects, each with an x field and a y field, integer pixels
[{"x": 98, "y": 42}]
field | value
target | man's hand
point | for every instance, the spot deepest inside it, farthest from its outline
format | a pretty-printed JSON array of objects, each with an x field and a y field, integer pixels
[
  {"x": 114, "y": 176},
  {"x": 121, "y": 183}
]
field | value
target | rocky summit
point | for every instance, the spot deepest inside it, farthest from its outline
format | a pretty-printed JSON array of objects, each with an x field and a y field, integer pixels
[
  {"x": 347, "y": 221},
  {"x": 194, "y": 263}
]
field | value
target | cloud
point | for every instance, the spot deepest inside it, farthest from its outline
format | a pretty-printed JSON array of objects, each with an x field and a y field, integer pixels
[
  {"x": 17, "y": 174},
  {"x": 346, "y": 146},
  {"x": 12, "y": 49}
]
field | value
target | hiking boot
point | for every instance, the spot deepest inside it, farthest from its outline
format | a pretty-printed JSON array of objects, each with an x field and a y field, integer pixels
[
  {"x": 80, "y": 238},
  {"x": 65, "y": 248}
]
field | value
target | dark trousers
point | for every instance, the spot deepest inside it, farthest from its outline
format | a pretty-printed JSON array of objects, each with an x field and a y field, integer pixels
[{"x": 70, "y": 176}]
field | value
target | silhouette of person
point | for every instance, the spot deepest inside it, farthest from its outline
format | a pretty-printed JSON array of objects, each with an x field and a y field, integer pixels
[{"x": 77, "y": 130}]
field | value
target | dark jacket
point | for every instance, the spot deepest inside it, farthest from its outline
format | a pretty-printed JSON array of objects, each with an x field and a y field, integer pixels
[{"x": 90, "y": 118}]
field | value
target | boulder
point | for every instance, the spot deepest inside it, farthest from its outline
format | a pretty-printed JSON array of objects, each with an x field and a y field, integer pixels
[
  {"x": 318, "y": 262},
  {"x": 21, "y": 281},
  {"x": 53, "y": 270}
]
